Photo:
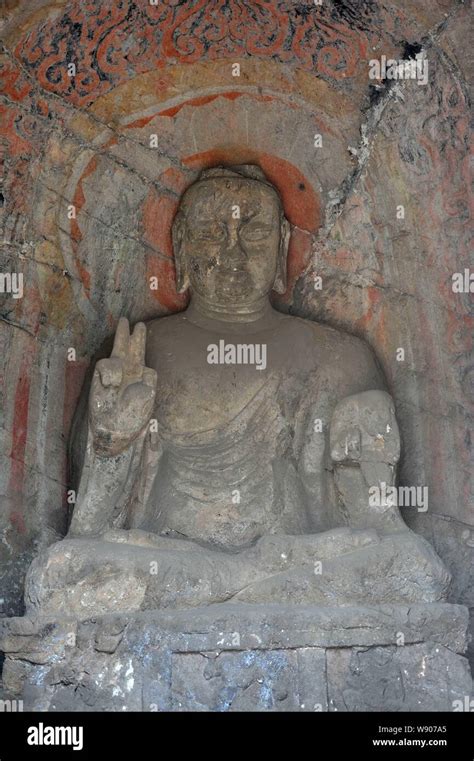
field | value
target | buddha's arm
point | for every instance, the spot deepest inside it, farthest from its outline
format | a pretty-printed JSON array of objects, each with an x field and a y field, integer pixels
[
  {"x": 120, "y": 405},
  {"x": 106, "y": 488},
  {"x": 347, "y": 394},
  {"x": 365, "y": 449}
]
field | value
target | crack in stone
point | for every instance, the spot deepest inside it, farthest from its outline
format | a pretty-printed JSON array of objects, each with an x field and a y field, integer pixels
[
  {"x": 19, "y": 327},
  {"x": 38, "y": 472},
  {"x": 438, "y": 415},
  {"x": 62, "y": 133},
  {"x": 56, "y": 268},
  {"x": 451, "y": 519},
  {"x": 54, "y": 97},
  {"x": 114, "y": 226},
  {"x": 370, "y": 128}
]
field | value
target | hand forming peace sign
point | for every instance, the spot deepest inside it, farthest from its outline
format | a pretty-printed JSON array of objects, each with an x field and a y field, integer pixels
[{"x": 122, "y": 393}]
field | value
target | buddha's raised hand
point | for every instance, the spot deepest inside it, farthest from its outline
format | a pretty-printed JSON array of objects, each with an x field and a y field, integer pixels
[{"x": 122, "y": 393}]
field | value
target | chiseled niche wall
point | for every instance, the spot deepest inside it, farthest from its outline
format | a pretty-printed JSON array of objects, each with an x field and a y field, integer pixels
[{"x": 109, "y": 111}]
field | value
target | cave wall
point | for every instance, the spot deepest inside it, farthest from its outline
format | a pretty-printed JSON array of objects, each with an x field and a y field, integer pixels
[{"x": 94, "y": 164}]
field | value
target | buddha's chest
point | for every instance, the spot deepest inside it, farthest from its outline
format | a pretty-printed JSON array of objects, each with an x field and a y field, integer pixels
[
  {"x": 206, "y": 381},
  {"x": 197, "y": 401}
]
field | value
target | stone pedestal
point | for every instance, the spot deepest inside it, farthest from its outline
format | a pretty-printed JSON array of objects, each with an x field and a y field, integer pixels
[{"x": 238, "y": 657}]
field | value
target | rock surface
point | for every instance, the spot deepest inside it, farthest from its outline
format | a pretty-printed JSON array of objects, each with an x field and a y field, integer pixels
[
  {"x": 84, "y": 577},
  {"x": 85, "y": 141},
  {"x": 243, "y": 657}
]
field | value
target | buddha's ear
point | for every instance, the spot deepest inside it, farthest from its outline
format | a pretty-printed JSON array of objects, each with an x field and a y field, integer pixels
[
  {"x": 280, "y": 280},
  {"x": 177, "y": 234}
]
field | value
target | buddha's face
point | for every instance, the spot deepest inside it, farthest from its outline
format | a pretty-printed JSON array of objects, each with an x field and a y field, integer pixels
[{"x": 230, "y": 240}]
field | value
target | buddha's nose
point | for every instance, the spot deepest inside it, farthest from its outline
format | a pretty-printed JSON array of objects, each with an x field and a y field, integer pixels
[{"x": 235, "y": 255}]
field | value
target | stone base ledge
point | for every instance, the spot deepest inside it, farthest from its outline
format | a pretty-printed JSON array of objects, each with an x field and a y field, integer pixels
[{"x": 243, "y": 657}]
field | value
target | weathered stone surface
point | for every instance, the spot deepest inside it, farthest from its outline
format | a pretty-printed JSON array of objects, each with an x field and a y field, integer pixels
[
  {"x": 253, "y": 680},
  {"x": 85, "y": 577},
  {"x": 415, "y": 678},
  {"x": 281, "y": 626},
  {"x": 158, "y": 521},
  {"x": 85, "y": 140},
  {"x": 243, "y": 657},
  {"x": 312, "y": 681}
]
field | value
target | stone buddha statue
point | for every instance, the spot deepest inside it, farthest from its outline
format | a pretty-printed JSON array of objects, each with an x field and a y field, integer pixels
[{"x": 230, "y": 451}]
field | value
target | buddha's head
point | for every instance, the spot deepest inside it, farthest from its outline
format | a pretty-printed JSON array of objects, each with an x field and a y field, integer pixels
[{"x": 230, "y": 238}]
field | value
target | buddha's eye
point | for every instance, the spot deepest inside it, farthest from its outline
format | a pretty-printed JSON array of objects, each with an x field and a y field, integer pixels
[
  {"x": 208, "y": 232},
  {"x": 255, "y": 232}
]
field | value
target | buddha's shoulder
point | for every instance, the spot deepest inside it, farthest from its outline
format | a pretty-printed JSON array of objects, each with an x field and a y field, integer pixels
[
  {"x": 322, "y": 336},
  {"x": 169, "y": 327},
  {"x": 166, "y": 322},
  {"x": 337, "y": 352}
]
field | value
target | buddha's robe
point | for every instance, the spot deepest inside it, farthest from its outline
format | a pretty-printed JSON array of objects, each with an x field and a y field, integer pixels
[
  {"x": 239, "y": 452},
  {"x": 230, "y": 493}
]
